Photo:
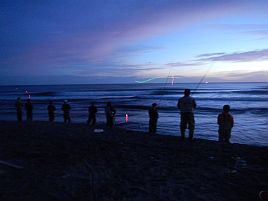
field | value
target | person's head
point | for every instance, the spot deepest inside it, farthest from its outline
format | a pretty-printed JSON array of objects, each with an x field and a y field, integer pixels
[
  {"x": 92, "y": 103},
  {"x": 18, "y": 99},
  {"x": 109, "y": 104},
  {"x": 154, "y": 105},
  {"x": 187, "y": 92},
  {"x": 65, "y": 101},
  {"x": 28, "y": 100},
  {"x": 50, "y": 102},
  {"x": 226, "y": 108}
]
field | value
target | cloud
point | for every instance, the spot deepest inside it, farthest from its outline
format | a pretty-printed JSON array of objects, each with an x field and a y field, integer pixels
[
  {"x": 241, "y": 76},
  {"x": 182, "y": 64},
  {"x": 260, "y": 30},
  {"x": 255, "y": 55},
  {"x": 96, "y": 30},
  {"x": 211, "y": 54}
]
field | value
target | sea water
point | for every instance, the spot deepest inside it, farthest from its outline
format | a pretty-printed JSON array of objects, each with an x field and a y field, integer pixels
[{"x": 248, "y": 101}]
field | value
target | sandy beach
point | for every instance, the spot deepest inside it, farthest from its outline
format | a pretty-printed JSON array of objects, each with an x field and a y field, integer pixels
[{"x": 44, "y": 161}]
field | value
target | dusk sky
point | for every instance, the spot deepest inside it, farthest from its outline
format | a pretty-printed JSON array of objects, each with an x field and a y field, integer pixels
[{"x": 124, "y": 41}]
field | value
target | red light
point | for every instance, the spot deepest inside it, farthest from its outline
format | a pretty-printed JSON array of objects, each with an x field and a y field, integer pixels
[{"x": 126, "y": 118}]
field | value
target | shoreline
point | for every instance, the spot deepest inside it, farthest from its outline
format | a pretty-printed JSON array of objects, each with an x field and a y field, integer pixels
[
  {"x": 123, "y": 128},
  {"x": 71, "y": 162}
]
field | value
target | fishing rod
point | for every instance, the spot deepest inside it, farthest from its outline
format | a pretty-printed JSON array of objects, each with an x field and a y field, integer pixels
[{"x": 202, "y": 78}]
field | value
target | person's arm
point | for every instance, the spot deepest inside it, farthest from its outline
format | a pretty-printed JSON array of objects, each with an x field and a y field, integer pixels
[
  {"x": 179, "y": 104},
  {"x": 219, "y": 119},
  {"x": 194, "y": 104},
  {"x": 232, "y": 121}
]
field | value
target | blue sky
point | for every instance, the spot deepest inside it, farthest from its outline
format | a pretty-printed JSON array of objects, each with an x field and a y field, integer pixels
[{"x": 124, "y": 41}]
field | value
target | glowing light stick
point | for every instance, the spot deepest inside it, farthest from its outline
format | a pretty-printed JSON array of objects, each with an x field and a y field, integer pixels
[
  {"x": 29, "y": 96},
  {"x": 173, "y": 79},
  {"x": 126, "y": 118},
  {"x": 148, "y": 80}
]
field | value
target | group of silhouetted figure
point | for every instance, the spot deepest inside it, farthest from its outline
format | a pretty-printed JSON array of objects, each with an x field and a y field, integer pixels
[
  {"x": 66, "y": 108},
  {"x": 186, "y": 105}
]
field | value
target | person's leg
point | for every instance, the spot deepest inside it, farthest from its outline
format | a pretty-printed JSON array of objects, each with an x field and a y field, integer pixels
[
  {"x": 183, "y": 125},
  {"x": 89, "y": 119},
  {"x": 31, "y": 115},
  {"x": 19, "y": 116},
  {"x": 220, "y": 132},
  {"x": 191, "y": 123},
  {"x": 154, "y": 125},
  {"x": 227, "y": 135},
  {"x": 65, "y": 118},
  {"x": 110, "y": 124},
  {"x": 150, "y": 126},
  {"x": 93, "y": 120}
]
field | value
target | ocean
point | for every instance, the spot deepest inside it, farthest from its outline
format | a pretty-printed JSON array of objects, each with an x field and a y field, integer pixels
[{"x": 248, "y": 101}]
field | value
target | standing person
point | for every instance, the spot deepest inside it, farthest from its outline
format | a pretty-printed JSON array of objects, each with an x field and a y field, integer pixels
[
  {"x": 51, "y": 110},
  {"x": 66, "y": 112},
  {"x": 226, "y": 122},
  {"x": 19, "y": 107},
  {"x": 186, "y": 105},
  {"x": 92, "y": 111},
  {"x": 29, "y": 109},
  {"x": 110, "y": 115},
  {"x": 153, "y": 115}
]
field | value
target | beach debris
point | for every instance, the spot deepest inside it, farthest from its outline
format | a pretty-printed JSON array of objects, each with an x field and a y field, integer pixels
[
  {"x": 263, "y": 195},
  {"x": 8, "y": 164},
  {"x": 239, "y": 163},
  {"x": 98, "y": 130}
]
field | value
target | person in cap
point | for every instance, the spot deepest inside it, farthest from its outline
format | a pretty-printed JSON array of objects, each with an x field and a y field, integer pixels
[
  {"x": 66, "y": 112},
  {"x": 92, "y": 111},
  {"x": 226, "y": 122},
  {"x": 29, "y": 110},
  {"x": 51, "y": 110},
  {"x": 110, "y": 115},
  {"x": 186, "y": 105}
]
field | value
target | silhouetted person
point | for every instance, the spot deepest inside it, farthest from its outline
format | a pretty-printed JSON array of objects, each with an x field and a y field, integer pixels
[
  {"x": 226, "y": 122},
  {"x": 19, "y": 107},
  {"x": 66, "y": 112},
  {"x": 110, "y": 115},
  {"x": 153, "y": 115},
  {"x": 51, "y": 110},
  {"x": 29, "y": 109},
  {"x": 92, "y": 111},
  {"x": 186, "y": 105}
]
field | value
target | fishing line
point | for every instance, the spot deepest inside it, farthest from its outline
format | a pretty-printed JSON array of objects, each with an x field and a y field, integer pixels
[
  {"x": 165, "y": 85},
  {"x": 202, "y": 78}
]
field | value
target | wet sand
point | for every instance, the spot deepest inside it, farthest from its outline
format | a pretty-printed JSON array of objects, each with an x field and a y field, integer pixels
[{"x": 43, "y": 161}]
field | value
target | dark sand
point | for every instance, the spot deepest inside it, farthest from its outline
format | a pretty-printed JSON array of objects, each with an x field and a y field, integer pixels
[{"x": 50, "y": 162}]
